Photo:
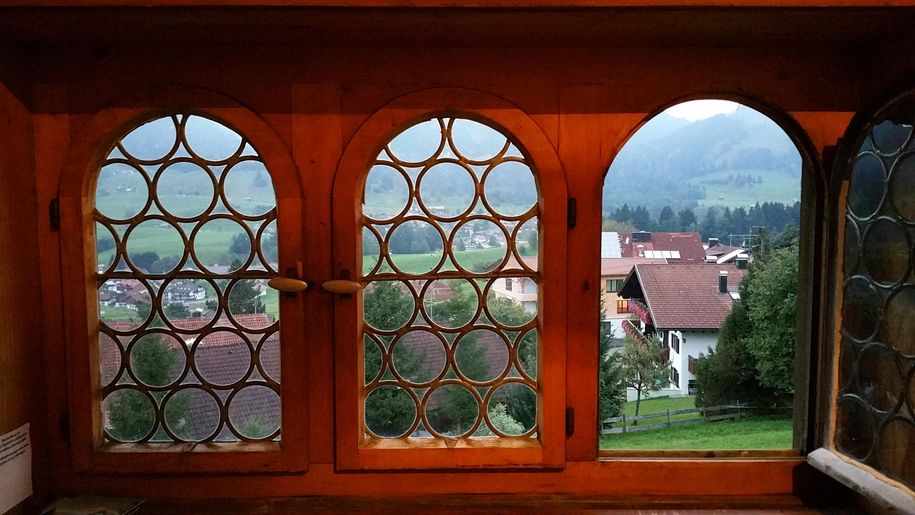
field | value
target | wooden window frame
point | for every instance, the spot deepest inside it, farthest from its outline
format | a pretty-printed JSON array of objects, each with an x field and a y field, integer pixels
[
  {"x": 353, "y": 451},
  {"x": 882, "y": 490},
  {"x": 77, "y": 242}
]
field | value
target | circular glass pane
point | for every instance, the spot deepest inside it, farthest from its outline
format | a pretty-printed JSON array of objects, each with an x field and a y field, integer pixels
[
  {"x": 389, "y": 411},
  {"x": 418, "y": 143},
  {"x": 192, "y": 414},
  {"x": 372, "y": 352},
  {"x": 121, "y": 191},
  {"x": 269, "y": 247},
  {"x": 269, "y": 356},
  {"x": 151, "y": 141},
  {"x": 889, "y": 137},
  {"x": 129, "y": 415},
  {"x": 386, "y": 193},
  {"x": 155, "y": 247},
  {"x": 371, "y": 250},
  {"x": 124, "y": 304},
  {"x": 852, "y": 246},
  {"x": 157, "y": 359},
  {"x": 415, "y": 247},
  {"x": 447, "y": 190},
  {"x": 475, "y": 140},
  {"x": 249, "y": 189},
  {"x": 483, "y": 243},
  {"x": 450, "y": 303},
  {"x": 513, "y": 409},
  {"x": 189, "y": 304},
  {"x": 527, "y": 241},
  {"x": 510, "y": 188},
  {"x": 899, "y": 321},
  {"x": 894, "y": 454},
  {"x": 184, "y": 189},
  {"x": 881, "y": 377},
  {"x": 860, "y": 309},
  {"x": 512, "y": 301},
  {"x": 868, "y": 186},
  {"x": 222, "y": 358},
  {"x": 211, "y": 140},
  {"x": 902, "y": 187},
  {"x": 252, "y": 304},
  {"x": 481, "y": 355},
  {"x": 854, "y": 428},
  {"x": 105, "y": 247},
  {"x": 388, "y": 305},
  {"x": 452, "y": 410},
  {"x": 255, "y": 412},
  {"x": 419, "y": 356},
  {"x": 527, "y": 353},
  {"x": 109, "y": 356},
  {"x": 222, "y": 245},
  {"x": 885, "y": 251}
]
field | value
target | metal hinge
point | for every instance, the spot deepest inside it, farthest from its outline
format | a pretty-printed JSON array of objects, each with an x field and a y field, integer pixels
[
  {"x": 570, "y": 421},
  {"x": 54, "y": 214},
  {"x": 573, "y": 212},
  {"x": 64, "y": 423}
]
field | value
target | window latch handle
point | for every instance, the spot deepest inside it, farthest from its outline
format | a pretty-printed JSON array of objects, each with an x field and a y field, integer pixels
[
  {"x": 341, "y": 286},
  {"x": 287, "y": 284}
]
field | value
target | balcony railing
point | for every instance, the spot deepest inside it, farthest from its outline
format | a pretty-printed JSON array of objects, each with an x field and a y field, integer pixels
[
  {"x": 633, "y": 332},
  {"x": 641, "y": 310}
]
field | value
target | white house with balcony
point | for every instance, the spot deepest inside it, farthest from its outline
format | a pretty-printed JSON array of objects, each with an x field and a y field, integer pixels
[{"x": 684, "y": 305}]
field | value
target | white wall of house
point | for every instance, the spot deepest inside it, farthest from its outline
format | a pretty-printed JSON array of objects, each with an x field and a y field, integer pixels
[
  {"x": 523, "y": 291},
  {"x": 692, "y": 343}
]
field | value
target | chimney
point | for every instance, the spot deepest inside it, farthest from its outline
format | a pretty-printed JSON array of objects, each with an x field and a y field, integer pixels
[
  {"x": 713, "y": 242},
  {"x": 723, "y": 281},
  {"x": 641, "y": 250},
  {"x": 742, "y": 262}
]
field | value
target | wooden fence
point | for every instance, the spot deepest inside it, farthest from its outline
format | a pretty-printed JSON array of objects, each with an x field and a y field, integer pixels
[{"x": 624, "y": 424}]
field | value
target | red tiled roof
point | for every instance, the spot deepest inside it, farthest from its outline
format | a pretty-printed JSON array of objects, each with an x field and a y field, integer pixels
[
  {"x": 688, "y": 244},
  {"x": 430, "y": 347},
  {"x": 685, "y": 295},
  {"x": 620, "y": 267}
]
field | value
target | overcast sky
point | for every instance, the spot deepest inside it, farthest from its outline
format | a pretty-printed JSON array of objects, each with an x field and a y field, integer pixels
[{"x": 699, "y": 109}]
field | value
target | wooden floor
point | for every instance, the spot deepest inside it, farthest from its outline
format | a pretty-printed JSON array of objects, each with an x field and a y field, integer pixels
[{"x": 486, "y": 504}]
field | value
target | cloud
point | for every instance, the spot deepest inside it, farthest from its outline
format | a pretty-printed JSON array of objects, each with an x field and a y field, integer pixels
[{"x": 699, "y": 109}]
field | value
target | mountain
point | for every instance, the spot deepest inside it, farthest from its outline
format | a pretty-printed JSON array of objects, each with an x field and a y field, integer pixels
[{"x": 731, "y": 160}]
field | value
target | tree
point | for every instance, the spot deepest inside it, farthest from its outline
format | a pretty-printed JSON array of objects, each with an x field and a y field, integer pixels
[
  {"x": 772, "y": 310},
  {"x": 177, "y": 310},
  {"x": 644, "y": 368},
  {"x": 611, "y": 393},
  {"x": 611, "y": 225},
  {"x": 130, "y": 413},
  {"x": 241, "y": 244}
]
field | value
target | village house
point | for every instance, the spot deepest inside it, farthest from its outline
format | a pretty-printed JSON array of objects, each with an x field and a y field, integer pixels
[{"x": 682, "y": 306}]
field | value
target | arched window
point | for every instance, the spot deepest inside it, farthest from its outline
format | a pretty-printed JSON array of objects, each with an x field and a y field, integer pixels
[
  {"x": 874, "y": 399},
  {"x": 450, "y": 274},
  {"x": 188, "y": 332}
]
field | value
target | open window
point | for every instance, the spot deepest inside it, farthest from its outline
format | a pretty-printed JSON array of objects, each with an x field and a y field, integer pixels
[
  {"x": 445, "y": 357},
  {"x": 869, "y": 441}
]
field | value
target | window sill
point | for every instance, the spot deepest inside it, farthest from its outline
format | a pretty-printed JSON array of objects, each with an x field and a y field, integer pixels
[
  {"x": 862, "y": 480},
  {"x": 755, "y": 455}
]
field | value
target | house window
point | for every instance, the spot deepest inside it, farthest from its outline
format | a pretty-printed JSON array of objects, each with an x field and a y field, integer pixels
[
  {"x": 188, "y": 331},
  {"x": 613, "y": 285},
  {"x": 446, "y": 354},
  {"x": 622, "y": 306},
  {"x": 875, "y": 397},
  {"x": 675, "y": 342}
]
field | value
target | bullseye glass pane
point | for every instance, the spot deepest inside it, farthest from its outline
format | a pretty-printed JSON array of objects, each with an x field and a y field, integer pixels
[
  {"x": 445, "y": 212},
  {"x": 186, "y": 240},
  {"x": 874, "y": 422}
]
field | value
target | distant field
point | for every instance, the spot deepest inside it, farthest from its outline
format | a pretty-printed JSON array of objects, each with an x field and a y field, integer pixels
[
  {"x": 752, "y": 433},
  {"x": 424, "y": 262},
  {"x": 776, "y": 187}
]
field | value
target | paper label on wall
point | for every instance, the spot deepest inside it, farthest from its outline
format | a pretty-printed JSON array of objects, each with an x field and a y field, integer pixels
[{"x": 15, "y": 468}]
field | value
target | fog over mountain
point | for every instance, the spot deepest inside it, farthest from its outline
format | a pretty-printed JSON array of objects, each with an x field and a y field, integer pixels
[{"x": 728, "y": 160}]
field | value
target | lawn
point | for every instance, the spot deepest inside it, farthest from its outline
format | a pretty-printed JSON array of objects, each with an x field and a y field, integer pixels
[
  {"x": 752, "y": 433},
  {"x": 419, "y": 263},
  {"x": 661, "y": 405}
]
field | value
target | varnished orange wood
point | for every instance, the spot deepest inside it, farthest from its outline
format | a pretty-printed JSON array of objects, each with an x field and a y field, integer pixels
[{"x": 77, "y": 188}]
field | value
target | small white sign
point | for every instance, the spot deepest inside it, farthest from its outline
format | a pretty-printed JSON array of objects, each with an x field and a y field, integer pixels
[{"x": 15, "y": 468}]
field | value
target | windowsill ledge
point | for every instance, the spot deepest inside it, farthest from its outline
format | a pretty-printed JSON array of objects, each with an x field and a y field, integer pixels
[{"x": 862, "y": 481}]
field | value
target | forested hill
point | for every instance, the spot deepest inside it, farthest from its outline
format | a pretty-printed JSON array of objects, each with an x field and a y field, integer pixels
[{"x": 735, "y": 159}]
